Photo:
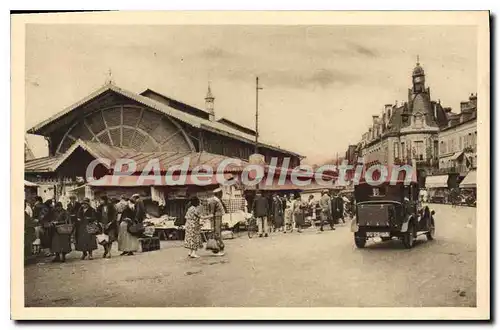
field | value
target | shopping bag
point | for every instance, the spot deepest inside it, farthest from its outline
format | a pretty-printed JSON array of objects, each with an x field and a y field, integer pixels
[
  {"x": 227, "y": 234},
  {"x": 212, "y": 244},
  {"x": 102, "y": 239},
  {"x": 149, "y": 231},
  {"x": 64, "y": 229},
  {"x": 136, "y": 229},
  {"x": 92, "y": 228}
]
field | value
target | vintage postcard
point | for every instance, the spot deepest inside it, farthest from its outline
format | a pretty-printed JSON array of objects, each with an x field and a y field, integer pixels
[{"x": 251, "y": 165}]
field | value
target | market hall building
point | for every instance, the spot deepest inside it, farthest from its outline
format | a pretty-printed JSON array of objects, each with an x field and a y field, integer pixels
[{"x": 115, "y": 123}]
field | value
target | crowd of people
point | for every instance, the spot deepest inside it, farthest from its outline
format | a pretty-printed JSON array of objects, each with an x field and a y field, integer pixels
[
  {"x": 288, "y": 213},
  {"x": 50, "y": 228}
]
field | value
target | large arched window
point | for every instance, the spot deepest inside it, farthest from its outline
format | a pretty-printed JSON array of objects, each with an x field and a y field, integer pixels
[{"x": 129, "y": 127}]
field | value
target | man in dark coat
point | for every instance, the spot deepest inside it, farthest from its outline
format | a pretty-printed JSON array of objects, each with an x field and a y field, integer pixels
[
  {"x": 260, "y": 210},
  {"x": 337, "y": 208},
  {"x": 73, "y": 208},
  {"x": 106, "y": 214},
  {"x": 140, "y": 209}
]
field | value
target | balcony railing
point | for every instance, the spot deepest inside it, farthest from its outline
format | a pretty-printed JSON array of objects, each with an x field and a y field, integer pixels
[{"x": 460, "y": 169}]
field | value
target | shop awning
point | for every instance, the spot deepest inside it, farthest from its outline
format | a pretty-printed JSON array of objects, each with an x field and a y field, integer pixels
[
  {"x": 469, "y": 181},
  {"x": 29, "y": 184},
  {"x": 151, "y": 180},
  {"x": 436, "y": 181},
  {"x": 453, "y": 157}
]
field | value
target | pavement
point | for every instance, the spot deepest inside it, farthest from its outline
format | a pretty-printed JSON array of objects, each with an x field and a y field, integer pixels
[{"x": 308, "y": 269}]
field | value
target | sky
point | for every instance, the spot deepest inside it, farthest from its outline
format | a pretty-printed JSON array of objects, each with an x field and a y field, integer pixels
[{"x": 321, "y": 84}]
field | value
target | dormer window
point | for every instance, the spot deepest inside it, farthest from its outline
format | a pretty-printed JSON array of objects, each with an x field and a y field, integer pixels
[{"x": 419, "y": 121}]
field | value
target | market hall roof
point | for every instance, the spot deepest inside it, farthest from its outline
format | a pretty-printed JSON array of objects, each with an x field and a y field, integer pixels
[
  {"x": 141, "y": 159},
  {"x": 191, "y": 118}
]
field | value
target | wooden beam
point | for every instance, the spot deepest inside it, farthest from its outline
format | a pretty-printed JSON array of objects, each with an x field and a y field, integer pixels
[
  {"x": 170, "y": 137},
  {"x": 137, "y": 125},
  {"x": 90, "y": 130},
  {"x": 107, "y": 129},
  {"x": 121, "y": 126}
]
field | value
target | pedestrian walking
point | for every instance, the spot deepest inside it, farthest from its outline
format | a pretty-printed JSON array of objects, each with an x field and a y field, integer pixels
[
  {"x": 29, "y": 230},
  {"x": 192, "y": 239},
  {"x": 288, "y": 216},
  {"x": 340, "y": 208},
  {"x": 48, "y": 228},
  {"x": 127, "y": 243},
  {"x": 106, "y": 213},
  {"x": 86, "y": 241},
  {"x": 140, "y": 209},
  {"x": 40, "y": 212},
  {"x": 298, "y": 212},
  {"x": 73, "y": 208},
  {"x": 61, "y": 242},
  {"x": 216, "y": 211},
  {"x": 311, "y": 206},
  {"x": 326, "y": 210},
  {"x": 336, "y": 215},
  {"x": 277, "y": 211},
  {"x": 260, "y": 209}
]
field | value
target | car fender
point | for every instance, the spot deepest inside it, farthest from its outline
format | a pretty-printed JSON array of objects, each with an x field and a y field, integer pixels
[{"x": 404, "y": 227}]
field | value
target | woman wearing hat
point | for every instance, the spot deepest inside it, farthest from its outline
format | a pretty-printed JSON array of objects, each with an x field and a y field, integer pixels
[
  {"x": 85, "y": 241},
  {"x": 192, "y": 240},
  {"x": 61, "y": 243},
  {"x": 127, "y": 243}
]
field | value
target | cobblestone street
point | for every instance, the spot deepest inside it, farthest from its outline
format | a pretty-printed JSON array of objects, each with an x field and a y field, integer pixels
[{"x": 300, "y": 270}]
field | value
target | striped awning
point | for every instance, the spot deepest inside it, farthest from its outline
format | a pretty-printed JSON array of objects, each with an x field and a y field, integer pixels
[
  {"x": 29, "y": 184},
  {"x": 469, "y": 181},
  {"x": 436, "y": 181},
  {"x": 160, "y": 180}
]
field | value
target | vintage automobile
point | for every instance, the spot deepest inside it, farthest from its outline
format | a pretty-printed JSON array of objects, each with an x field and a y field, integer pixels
[{"x": 391, "y": 210}]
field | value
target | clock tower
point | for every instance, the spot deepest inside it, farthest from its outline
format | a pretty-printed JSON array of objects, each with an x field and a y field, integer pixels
[{"x": 418, "y": 78}]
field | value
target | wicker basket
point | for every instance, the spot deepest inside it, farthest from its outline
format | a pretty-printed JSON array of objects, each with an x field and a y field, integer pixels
[
  {"x": 92, "y": 228},
  {"x": 64, "y": 229}
]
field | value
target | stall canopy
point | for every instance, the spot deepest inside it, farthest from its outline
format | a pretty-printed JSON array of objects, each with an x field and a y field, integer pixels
[
  {"x": 150, "y": 180},
  {"x": 469, "y": 181},
  {"x": 29, "y": 184},
  {"x": 436, "y": 181}
]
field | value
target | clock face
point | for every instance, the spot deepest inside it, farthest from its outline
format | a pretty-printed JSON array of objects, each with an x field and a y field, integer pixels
[{"x": 419, "y": 79}]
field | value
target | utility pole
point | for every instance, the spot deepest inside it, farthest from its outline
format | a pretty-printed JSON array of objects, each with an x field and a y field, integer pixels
[{"x": 257, "y": 88}]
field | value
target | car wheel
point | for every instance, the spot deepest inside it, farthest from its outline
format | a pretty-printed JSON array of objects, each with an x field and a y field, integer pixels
[
  {"x": 360, "y": 241},
  {"x": 409, "y": 236},
  {"x": 432, "y": 230}
]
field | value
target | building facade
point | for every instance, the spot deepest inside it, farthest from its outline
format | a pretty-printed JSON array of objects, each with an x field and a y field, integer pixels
[
  {"x": 407, "y": 131},
  {"x": 458, "y": 141}
]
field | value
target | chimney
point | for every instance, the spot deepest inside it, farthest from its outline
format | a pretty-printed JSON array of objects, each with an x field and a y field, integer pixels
[
  {"x": 473, "y": 99},
  {"x": 209, "y": 104},
  {"x": 375, "y": 119},
  {"x": 463, "y": 105},
  {"x": 388, "y": 109}
]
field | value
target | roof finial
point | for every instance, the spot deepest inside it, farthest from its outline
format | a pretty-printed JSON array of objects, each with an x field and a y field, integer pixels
[
  {"x": 109, "y": 78},
  {"x": 418, "y": 59},
  {"x": 209, "y": 96}
]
